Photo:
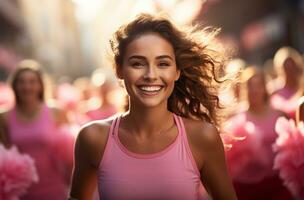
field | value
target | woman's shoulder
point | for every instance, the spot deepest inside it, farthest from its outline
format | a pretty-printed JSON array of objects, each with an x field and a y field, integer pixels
[
  {"x": 94, "y": 129},
  {"x": 202, "y": 134},
  {"x": 92, "y": 139},
  {"x": 204, "y": 141}
]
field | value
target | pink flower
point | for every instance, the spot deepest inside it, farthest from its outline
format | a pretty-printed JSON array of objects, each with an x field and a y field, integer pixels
[
  {"x": 289, "y": 160},
  {"x": 17, "y": 173}
]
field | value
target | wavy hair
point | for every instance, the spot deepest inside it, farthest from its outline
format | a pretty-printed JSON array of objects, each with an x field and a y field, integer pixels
[{"x": 195, "y": 93}]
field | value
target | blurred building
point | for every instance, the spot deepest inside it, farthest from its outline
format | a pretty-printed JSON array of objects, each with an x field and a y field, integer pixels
[
  {"x": 12, "y": 37},
  {"x": 257, "y": 27},
  {"x": 54, "y": 33}
]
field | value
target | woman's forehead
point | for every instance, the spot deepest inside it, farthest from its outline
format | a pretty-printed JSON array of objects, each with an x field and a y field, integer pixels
[{"x": 149, "y": 43}]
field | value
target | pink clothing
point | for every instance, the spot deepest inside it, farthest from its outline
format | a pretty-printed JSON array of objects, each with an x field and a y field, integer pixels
[
  {"x": 282, "y": 100},
  {"x": 251, "y": 160},
  {"x": 285, "y": 93},
  {"x": 38, "y": 138},
  {"x": 170, "y": 174}
]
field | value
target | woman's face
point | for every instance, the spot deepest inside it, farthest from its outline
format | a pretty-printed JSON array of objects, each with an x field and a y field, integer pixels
[
  {"x": 256, "y": 90},
  {"x": 291, "y": 69},
  {"x": 149, "y": 70},
  {"x": 28, "y": 86}
]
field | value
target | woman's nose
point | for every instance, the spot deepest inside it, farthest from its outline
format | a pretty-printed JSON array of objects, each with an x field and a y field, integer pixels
[{"x": 150, "y": 73}]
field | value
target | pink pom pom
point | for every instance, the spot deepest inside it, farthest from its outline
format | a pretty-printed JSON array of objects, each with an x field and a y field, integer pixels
[
  {"x": 17, "y": 173},
  {"x": 289, "y": 159}
]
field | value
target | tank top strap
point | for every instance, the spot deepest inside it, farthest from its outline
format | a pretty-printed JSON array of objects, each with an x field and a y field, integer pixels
[
  {"x": 115, "y": 125},
  {"x": 185, "y": 142},
  {"x": 110, "y": 139}
]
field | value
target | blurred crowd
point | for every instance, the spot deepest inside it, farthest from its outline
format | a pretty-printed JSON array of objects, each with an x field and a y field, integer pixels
[{"x": 264, "y": 108}]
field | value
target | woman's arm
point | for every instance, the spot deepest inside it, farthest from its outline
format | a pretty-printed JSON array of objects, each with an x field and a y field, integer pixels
[
  {"x": 214, "y": 171},
  {"x": 89, "y": 148},
  {"x": 208, "y": 150}
]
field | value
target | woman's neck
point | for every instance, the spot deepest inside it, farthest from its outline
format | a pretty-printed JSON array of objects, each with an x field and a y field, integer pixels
[
  {"x": 29, "y": 109},
  {"x": 258, "y": 110},
  {"x": 148, "y": 121}
]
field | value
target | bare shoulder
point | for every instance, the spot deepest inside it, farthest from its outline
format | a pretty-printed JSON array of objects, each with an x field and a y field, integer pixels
[
  {"x": 204, "y": 141},
  {"x": 92, "y": 139},
  {"x": 202, "y": 134}
]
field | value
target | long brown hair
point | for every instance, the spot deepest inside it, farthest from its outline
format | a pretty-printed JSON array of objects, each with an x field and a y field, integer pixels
[{"x": 195, "y": 93}]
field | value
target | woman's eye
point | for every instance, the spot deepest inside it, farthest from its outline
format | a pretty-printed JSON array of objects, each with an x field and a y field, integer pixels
[
  {"x": 137, "y": 64},
  {"x": 164, "y": 64}
]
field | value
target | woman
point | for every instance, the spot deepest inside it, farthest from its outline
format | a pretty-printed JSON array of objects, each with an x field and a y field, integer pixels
[
  {"x": 167, "y": 143},
  {"x": 32, "y": 126},
  {"x": 250, "y": 160},
  {"x": 289, "y": 65}
]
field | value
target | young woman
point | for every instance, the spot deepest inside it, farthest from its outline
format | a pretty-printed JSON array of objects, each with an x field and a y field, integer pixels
[
  {"x": 32, "y": 126},
  {"x": 167, "y": 143},
  {"x": 289, "y": 65},
  {"x": 250, "y": 160}
]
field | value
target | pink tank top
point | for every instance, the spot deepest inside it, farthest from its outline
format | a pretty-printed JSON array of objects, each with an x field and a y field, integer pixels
[
  {"x": 171, "y": 174},
  {"x": 37, "y": 139}
]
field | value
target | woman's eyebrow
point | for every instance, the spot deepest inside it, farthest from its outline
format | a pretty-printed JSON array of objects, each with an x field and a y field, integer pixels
[
  {"x": 144, "y": 58},
  {"x": 137, "y": 57},
  {"x": 164, "y": 56}
]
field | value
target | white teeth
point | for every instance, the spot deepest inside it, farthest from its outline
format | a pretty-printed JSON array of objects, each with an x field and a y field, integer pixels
[{"x": 150, "y": 88}]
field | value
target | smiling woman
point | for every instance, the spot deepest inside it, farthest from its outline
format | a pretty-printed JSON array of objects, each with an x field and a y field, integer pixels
[
  {"x": 166, "y": 146},
  {"x": 149, "y": 73}
]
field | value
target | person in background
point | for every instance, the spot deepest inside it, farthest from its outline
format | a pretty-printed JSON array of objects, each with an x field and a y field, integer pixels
[
  {"x": 250, "y": 160},
  {"x": 289, "y": 64},
  {"x": 167, "y": 144},
  {"x": 32, "y": 126}
]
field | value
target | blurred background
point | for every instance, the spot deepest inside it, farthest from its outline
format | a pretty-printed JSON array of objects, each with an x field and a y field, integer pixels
[
  {"x": 69, "y": 37},
  {"x": 69, "y": 40}
]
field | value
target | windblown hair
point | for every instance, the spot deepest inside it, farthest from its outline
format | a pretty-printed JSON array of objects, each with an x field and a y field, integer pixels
[
  {"x": 26, "y": 65},
  {"x": 195, "y": 93}
]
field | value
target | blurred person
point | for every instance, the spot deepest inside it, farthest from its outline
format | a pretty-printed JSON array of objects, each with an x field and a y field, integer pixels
[
  {"x": 250, "y": 160},
  {"x": 167, "y": 144},
  {"x": 32, "y": 126},
  {"x": 289, "y": 64}
]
